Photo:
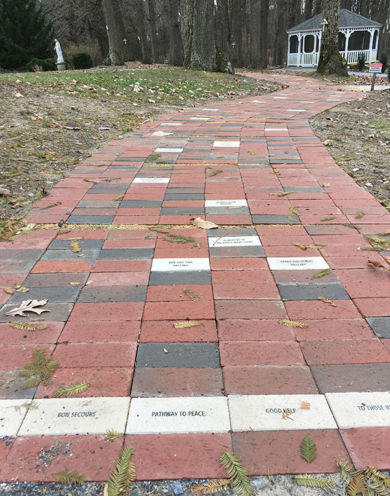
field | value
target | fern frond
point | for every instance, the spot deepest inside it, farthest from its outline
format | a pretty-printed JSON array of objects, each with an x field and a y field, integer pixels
[
  {"x": 122, "y": 475},
  {"x": 67, "y": 477},
  {"x": 72, "y": 389},
  {"x": 112, "y": 434},
  {"x": 177, "y": 238},
  {"x": 376, "y": 476},
  {"x": 237, "y": 474},
  {"x": 358, "y": 485},
  {"x": 323, "y": 273},
  {"x": 26, "y": 326},
  {"x": 308, "y": 449},
  {"x": 311, "y": 481},
  {"x": 347, "y": 472},
  {"x": 193, "y": 296},
  {"x": 210, "y": 487}
]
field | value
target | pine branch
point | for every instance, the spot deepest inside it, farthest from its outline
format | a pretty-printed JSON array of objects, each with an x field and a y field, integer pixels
[
  {"x": 292, "y": 323},
  {"x": 72, "y": 389},
  {"x": 112, "y": 434},
  {"x": 308, "y": 449},
  {"x": 311, "y": 481},
  {"x": 39, "y": 370},
  {"x": 67, "y": 477},
  {"x": 210, "y": 487},
  {"x": 122, "y": 475},
  {"x": 237, "y": 474},
  {"x": 357, "y": 486}
]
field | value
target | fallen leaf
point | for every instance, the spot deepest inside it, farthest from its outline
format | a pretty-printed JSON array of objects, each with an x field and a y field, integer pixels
[
  {"x": 374, "y": 263},
  {"x": 119, "y": 198},
  {"x": 9, "y": 291},
  {"x": 325, "y": 219},
  {"x": 359, "y": 214},
  {"x": 186, "y": 324},
  {"x": 204, "y": 224},
  {"x": 191, "y": 294},
  {"x": 51, "y": 205},
  {"x": 284, "y": 193},
  {"x": 29, "y": 306},
  {"x": 294, "y": 210},
  {"x": 305, "y": 405},
  {"x": 286, "y": 414},
  {"x": 326, "y": 300},
  {"x": 292, "y": 323},
  {"x": 165, "y": 350},
  {"x": 75, "y": 283},
  {"x": 88, "y": 180}
]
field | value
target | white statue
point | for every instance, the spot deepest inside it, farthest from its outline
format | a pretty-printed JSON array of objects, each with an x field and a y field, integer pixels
[{"x": 60, "y": 57}]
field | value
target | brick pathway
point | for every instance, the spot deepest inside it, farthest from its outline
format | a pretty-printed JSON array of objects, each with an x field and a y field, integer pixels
[{"x": 238, "y": 380}]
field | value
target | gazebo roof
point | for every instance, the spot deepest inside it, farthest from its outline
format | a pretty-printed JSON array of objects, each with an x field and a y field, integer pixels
[{"x": 347, "y": 19}]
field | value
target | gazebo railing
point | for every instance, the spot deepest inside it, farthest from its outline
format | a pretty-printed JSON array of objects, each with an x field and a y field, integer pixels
[
  {"x": 311, "y": 59},
  {"x": 352, "y": 57}
]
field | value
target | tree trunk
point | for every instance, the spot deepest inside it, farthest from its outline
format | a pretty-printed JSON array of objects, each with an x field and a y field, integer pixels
[
  {"x": 281, "y": 41},
  {"x": 331, "y": 62},
  {"x": 308, "y": 9},
  {"x": 115, "y": 31},
  {"x": 175, "y": 54},
  {"x": 237, "y": 16},
  {"x": 186, "y": 16},
  {"x": 203, "y": 50}
]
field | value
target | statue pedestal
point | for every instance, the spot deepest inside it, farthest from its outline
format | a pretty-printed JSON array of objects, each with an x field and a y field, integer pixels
[{"x": 61, "y": 66}]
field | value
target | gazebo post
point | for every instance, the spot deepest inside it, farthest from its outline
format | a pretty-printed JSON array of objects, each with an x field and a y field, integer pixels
[
  {"x": 371, "y": 39},
  {"x": 288, "y": 49},
  {"x": 299, "y": 49},
  {"x": 376, "y": 44},
  {"x": 348, "y": 33}
]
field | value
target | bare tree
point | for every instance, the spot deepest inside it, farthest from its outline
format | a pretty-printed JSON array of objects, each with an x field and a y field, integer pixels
[{"x": 331, "y": 62}]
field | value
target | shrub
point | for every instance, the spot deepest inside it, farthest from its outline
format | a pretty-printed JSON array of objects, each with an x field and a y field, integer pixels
[
  {"x": 388, "y": 74},
  {"x": 41, "y": 65},
  {"x": 384, "y": 60},
  {"x": 361, "y": 61},
  {"x": 82, "y": 61},
  {"x": 91, "y": 48}
]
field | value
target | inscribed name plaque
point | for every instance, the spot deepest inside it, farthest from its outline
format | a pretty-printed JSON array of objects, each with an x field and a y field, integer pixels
[
  {"x": 180, "y": 264},
  {"x": 172, "y": 124},
  {"x": 199, "y": 118},
  {"x": 225, "y": 203},
  {"x": 226, "y": 144},
  {"x": 234, "y": 241},
  {"x": 168, "y": 150},
  {"x": 12, "y": 413},
  {"x": 360, "y": 409},
  {"x": 297, "y": 263},
  {"x": 178, "y": 415},
  {"x": 280, "y": 412},
  {"x": 151, "y": 180},
  {"x": 75, "y": 416}
]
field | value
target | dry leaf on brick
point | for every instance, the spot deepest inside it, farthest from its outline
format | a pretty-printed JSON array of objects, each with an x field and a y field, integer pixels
[
  {"x": 323, "y": 273},
  {"x": 29, "y": 306},
  {"x": 326, "y": 300},
  {"x": 204, "y": 224},
  {"x": 191, "y": 294},
  {"x": 186, "y": 324},
  {"x": 75, "y": 246},
  {"x": 376, "y": 264},
  {"x": 51, "y": 205},
  {"x": 292, "y": 323},
  {"x": 305, "y": 405}
]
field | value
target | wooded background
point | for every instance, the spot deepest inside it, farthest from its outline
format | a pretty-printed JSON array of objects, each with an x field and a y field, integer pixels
[{"x": 196, "y": 33}]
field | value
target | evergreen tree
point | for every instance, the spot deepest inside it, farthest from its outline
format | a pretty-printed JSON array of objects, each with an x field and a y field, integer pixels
[{"x": 24, "y": 33}]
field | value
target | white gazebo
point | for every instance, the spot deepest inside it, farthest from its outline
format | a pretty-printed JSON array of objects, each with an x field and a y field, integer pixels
[{"x": 357, "y": 34}]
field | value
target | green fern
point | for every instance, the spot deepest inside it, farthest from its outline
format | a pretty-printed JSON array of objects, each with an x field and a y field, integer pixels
[
  {"x": 122, "y": 475},
  {"x": 67, "y": 477},
  {"x": 237, "y": 474},
  {"x": 72, "y": 389},
  {"x": 323, "y": 273},
  {"x": 39, "y": 370},
  {"x": 311, "y": 481},
  {"x": 308, "y": 449}
]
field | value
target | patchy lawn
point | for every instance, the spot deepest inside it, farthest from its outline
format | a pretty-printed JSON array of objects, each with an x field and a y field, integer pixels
[
  {"x": 50, "y": 122},
  {"x": 358, "y": 137}
]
